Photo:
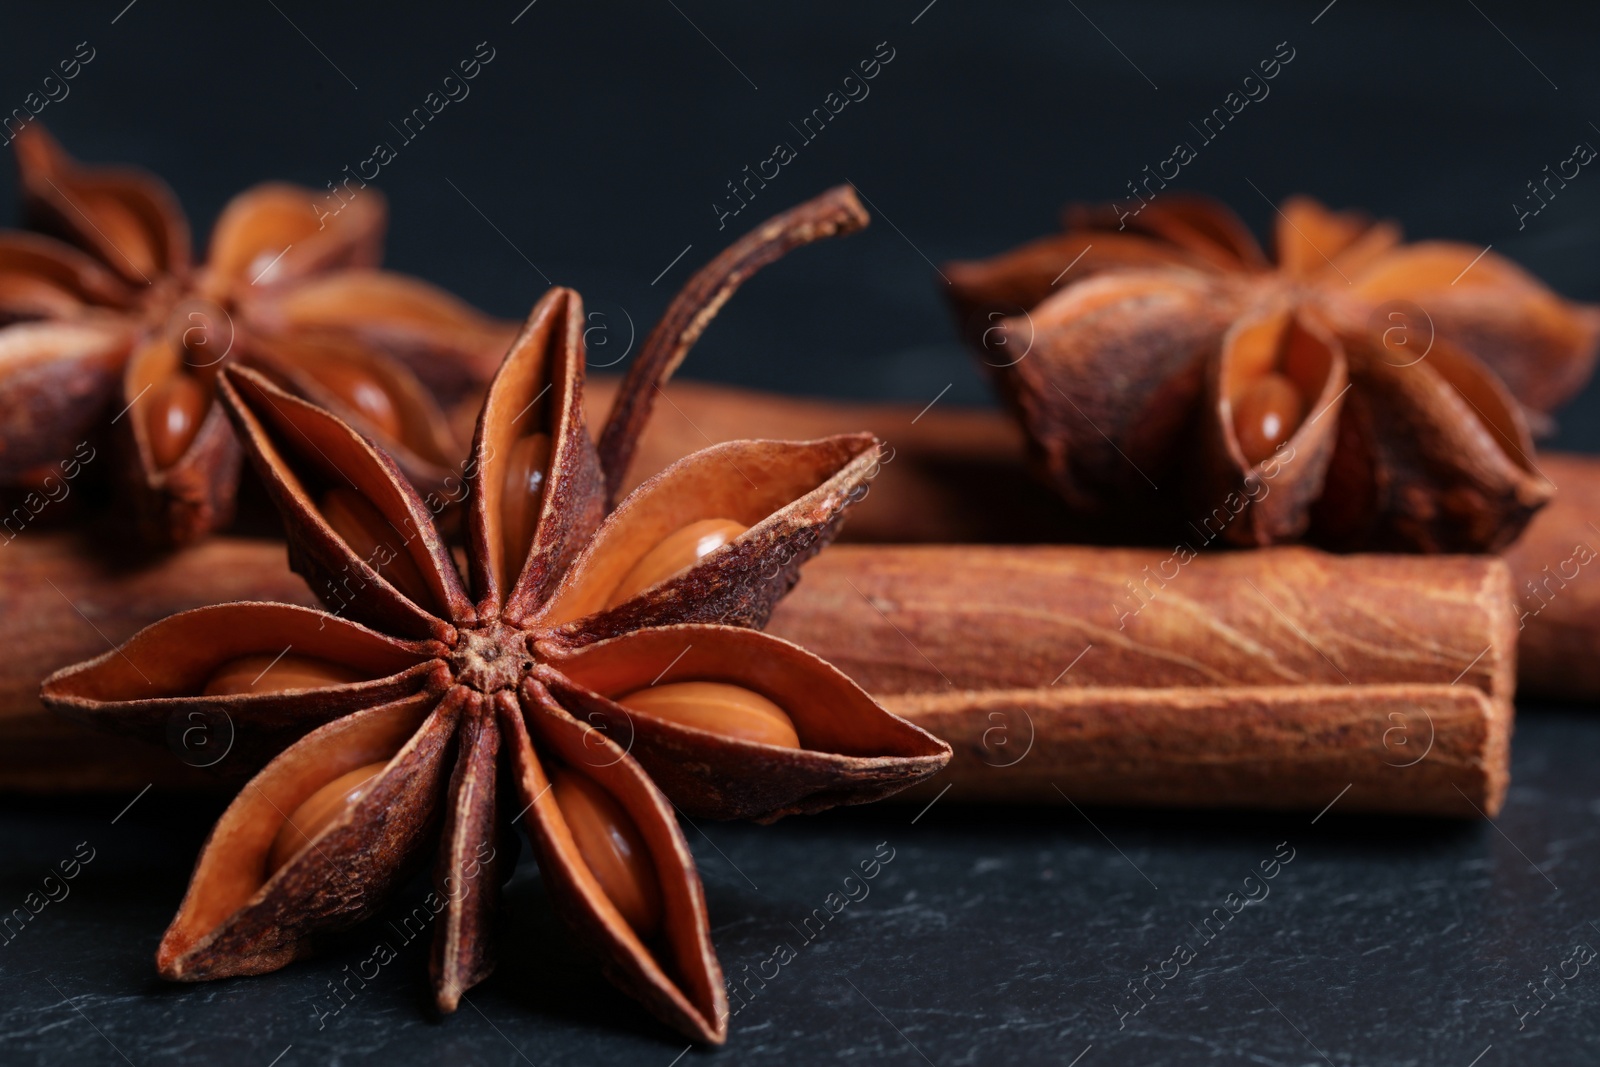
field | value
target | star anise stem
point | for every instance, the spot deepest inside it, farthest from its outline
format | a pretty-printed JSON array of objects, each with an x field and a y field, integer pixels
[{"x": 836, "y": 212}]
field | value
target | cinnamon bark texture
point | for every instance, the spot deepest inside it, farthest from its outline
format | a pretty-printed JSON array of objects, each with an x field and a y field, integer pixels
[
  {"x": 938, "y": 618},
  {"x": 1254, "y": 679},
  {"x": 1555, "y": 570},
  {"x": 65, "y": 596},
  {"x": 956, "y": 475},
  {"x": 1000, "y": 652},
  {"x": 1412, "y": 749}
]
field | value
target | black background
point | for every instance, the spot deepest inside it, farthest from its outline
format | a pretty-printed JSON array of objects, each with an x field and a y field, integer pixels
[{"x": 594, "y": 146}]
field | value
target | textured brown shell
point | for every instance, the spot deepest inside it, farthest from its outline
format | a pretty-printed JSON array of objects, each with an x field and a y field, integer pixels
[
  {"x": 1105, "y": 373},
  {"x": 496, "y": 655},
  {"x": 684, "y": 988},
  {"x": 1282, "y": 489},
  {"x": 57, "y": 190},
  {"x": 853, "y": 752},
  {"x": 793, "y": 496},
  {"x": 546, "y": 360},
  {"x": 265, "y": 236},
  {"x": 1449, "y": 456},
  {"x": 126, "y": 262},
  {"x": 426, "y": 449},
  {"x": 449, "y": 345},
  {"x": 41, "y": 279},
  {"x": 195, "y": 495},
  {"x": 154, "y": 679},
  {"x": 294, "y": 445},
  {"x": 56, "y": 379},
  {"x": 1112, "y": 373},
  {"x": 233, "y": 920}
]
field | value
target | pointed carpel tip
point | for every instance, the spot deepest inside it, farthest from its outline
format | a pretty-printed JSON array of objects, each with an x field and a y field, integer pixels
[
  {"x": 705, "y": 1030},
  {"x": 233, "y": 380},
  {"x": 36, "y": 150}
]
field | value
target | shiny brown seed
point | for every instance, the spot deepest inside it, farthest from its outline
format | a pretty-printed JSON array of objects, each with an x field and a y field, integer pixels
[
  {"x": 719, "y": 708},
  {"x": 372, "y": 537},
  {"x": 318, "y": 812},
  {"x": 612, "y": 848},
  {"x": 268, "y": 672},
  {"x": 362, "y": 392},
  {"x": 521, "y": 496},
  {"x": 176, "y": 409},
  {"x": 1265, "y": 415},
  {"x": 677, "y": 552}
]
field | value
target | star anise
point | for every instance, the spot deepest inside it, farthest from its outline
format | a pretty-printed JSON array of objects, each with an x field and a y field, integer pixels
[
  {"x": 601, "y": 660},
  {"x": 1347, "y": 393},
  {"x": 115, "y": 321}
]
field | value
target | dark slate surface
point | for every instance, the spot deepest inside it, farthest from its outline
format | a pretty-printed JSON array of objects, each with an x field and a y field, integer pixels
[
  {"x": 989, "y": 936},
  {"x": 590, "y": 153}
]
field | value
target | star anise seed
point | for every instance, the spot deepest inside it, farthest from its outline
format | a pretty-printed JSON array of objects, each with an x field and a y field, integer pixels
[{"x": 533, "y": 667}]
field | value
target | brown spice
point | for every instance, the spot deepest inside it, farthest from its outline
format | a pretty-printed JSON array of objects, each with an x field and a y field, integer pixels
[
  {"x": 1555, "y": 579},
  {"x": 957, "y": 476},
  {"x": 1002, "y": 626},
  {"x": 1436, "y": 750},
  {"x": 525, "y": 657},
  {"x": 1245, "y": 679},
  {"x": 1129, "y": 350},
  {"x": 114, "y": 317}
]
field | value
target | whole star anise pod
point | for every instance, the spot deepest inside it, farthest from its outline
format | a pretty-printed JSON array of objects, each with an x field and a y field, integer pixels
[
  {"x": 114, "y": 325},
  {"x": 601, "y": 660},
  {"x": 1358, "y": 392}
]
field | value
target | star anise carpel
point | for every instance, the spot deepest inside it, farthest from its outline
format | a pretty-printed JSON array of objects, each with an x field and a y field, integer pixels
[
  {"x": 593, "y": 669},
  {"x": 108, "y": 326},
  {"x": 1355, "y": 391}
]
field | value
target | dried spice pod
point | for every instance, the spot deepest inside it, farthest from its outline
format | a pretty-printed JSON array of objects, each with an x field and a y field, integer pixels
[
  {"x": 1160, "y": 347},
  {"x": 443, "y": 680},
  {"x": 123, "y": 268}
]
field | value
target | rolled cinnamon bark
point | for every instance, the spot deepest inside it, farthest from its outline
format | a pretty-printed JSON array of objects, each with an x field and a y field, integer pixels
[
  {"x": 1438, "y": 750},
  {"x": 1248, "y": 680},
  {"x": 1252, "y": 680},
  {"x": 932, "y": 618},
  {"x": 950, "y": 474},
  {"x": 1555, "y": 569},
  {"x": 959, "y": 476},
  {"x": 66, "y": 597}
]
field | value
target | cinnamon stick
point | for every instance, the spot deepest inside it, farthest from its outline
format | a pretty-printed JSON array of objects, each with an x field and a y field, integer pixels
[
  {"x": 1249, "y": 679},
  {"x": 1402, "y": 749},
  {"x": 952, "y": 475},
  {"x": 959, "y": 476},
  {"x": 1254, "y": 679},
  {"x": 67, "y": 597},
  {"x": 1555, "y": 568},
  {"x": 934, "y": 618}
]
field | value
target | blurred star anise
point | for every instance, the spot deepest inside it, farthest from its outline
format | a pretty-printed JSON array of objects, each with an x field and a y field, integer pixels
[
  {"x": 1357, "y": 392},
  {"x": 113, "y": 326},
  {"x": 600, "y": 660}
]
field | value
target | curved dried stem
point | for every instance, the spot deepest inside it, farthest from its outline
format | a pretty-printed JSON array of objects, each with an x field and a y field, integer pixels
[{"x": 834, "y": 213}]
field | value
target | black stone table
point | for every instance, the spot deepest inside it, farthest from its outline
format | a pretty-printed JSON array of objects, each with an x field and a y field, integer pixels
[{"x": 988, "y": 936}]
